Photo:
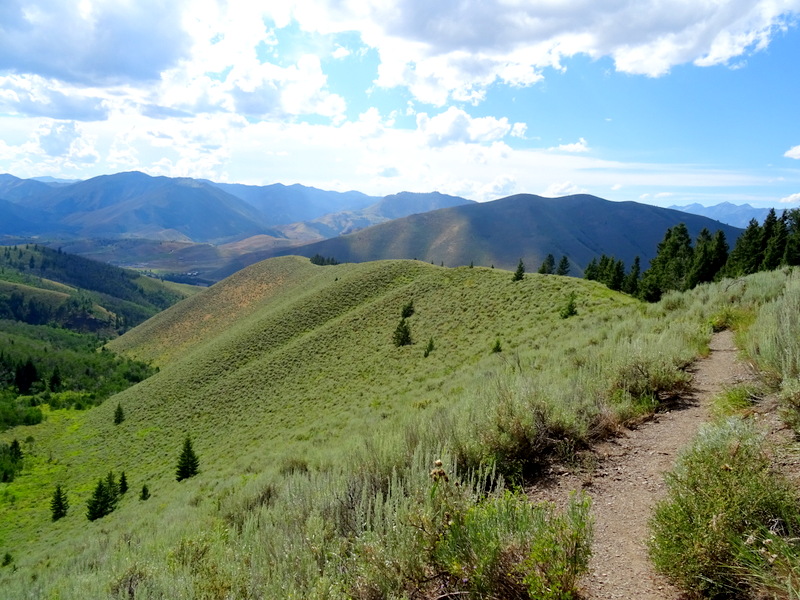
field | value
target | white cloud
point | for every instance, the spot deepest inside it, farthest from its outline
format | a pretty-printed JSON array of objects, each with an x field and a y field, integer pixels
[
  {"x": 579, "y": 146},
  {"x": 340, "y": 52},
  {"x": 456, "y": 50},
  {"x": 564, "y": 188},
  {"x": 791, "y": 199},
  {"x": 793, "y": 152},
  {"x": 92, "y": 42},
  {"x": 455, "y": 125}
]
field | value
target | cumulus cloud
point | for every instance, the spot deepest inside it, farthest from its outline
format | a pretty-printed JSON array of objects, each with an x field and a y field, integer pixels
[
  {"x": 793, "y": 152},
  {"x": 441, "y": 50},
  {"x": 579, "y": 146},
  {"x": 791, "y": 199},
  {"x": 66, "y": 141},
  {"x": 39, "y": 97},
  {"x": 564, "y": 188},
  {"x": 455, "y": 125},
  {"x": 103, "y": 41}
]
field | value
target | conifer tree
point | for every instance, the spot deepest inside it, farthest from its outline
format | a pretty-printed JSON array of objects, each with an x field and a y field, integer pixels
[
  {"x": 123, "y": 483},
  {"x": 563, "y": 266},
  {"x": 548, "y": 265},
  {"x": 402, "y": 334},
  {"x": 670, "y": 268},
  {"x": 631, "y": 283},
  {"x": 519, "y": 274},
  {"x": 59, "y": 504},
  {"x": 103, "y": 500},
  {"x": 746, "y": 255},
  {"x": 188, "y": 463},
  {"x": 119, "y": 414},
  {"x": 145, "y": 493},
  {"x": 791, "y": 254},
  {"x": 775, "y": 245}
]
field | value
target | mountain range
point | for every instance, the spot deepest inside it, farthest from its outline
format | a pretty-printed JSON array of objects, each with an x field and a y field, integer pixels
[
  {"x": 738, "y": 215},
  {"x": 185, "y": 225}
]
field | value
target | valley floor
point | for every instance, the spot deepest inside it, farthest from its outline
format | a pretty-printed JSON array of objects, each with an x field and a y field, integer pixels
[{"x": 627, "y": 480}]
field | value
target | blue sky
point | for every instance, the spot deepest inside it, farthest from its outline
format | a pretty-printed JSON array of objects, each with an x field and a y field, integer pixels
[{"x": 660, "y": 101}]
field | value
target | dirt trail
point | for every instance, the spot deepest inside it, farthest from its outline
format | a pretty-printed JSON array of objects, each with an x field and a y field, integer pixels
[{"x": 629, "y": 479}]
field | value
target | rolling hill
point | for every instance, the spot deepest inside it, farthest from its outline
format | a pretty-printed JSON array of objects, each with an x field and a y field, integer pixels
[
  {"x": 501, "y": 232},
  {"x": 313, "y": 429}
]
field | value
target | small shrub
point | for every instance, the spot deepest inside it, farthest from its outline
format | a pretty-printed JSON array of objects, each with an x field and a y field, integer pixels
[
  {"x": 428, "y": 348},
  {"x": 497, "y": 347},
  {"x": 7, "y": 559},
  {"x": 569, "y": 309},
  {"x": 145, "y": 493},
  {"x": 720, "y": 494}
]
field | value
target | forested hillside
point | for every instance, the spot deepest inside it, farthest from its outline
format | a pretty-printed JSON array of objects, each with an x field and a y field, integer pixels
[{"x": 56, "y": 310}]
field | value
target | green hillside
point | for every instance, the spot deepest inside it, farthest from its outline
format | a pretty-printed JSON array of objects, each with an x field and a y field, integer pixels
[
  {"x": 41, "y": 286},
  {"x": 315, "y": 433}
]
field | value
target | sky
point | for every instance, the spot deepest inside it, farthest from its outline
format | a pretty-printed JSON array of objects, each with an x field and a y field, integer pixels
[{"x": 667, "y": 102}]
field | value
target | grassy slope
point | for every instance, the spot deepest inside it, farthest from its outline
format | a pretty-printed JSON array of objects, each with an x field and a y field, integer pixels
[{"x": 285, "y": 359}]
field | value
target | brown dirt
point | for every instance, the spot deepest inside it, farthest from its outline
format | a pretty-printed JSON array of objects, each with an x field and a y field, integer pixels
[{"x": 627, "y": 479}]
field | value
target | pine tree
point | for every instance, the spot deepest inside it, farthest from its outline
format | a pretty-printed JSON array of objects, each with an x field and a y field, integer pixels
[
  {"x": 103, "y": 500},
  {"x": 563, "y": 266},
  {"x": 670, "y": 269},
  {"x": 407, "y": 310},
  {"x": 145, "y": 493},
  {"x": 631, "y": 283},
  {"x": 746, "y": 255},
  {"x": 791, "y": 254},
  {"x": 119, "y": 414},
  {"x": 188, "y": 464},
  {"x": 59, "y": 504},
  {"x": 402, "y": 334},
  {"x": 775, "y": 247},
  {"x": 519, "y": 274},
  {"x": 123, "y": 483},
  {"x": 548, "y": 265}
]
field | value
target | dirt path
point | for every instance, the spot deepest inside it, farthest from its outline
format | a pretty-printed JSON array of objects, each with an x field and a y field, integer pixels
[{"x": 628, "y": 480}]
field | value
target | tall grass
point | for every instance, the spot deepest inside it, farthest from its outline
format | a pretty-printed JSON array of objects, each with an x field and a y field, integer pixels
[{"x": 317, "y": 436}]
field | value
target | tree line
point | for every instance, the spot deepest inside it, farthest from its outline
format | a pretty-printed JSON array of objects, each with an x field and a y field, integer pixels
[{"x": 680, "y": 265}]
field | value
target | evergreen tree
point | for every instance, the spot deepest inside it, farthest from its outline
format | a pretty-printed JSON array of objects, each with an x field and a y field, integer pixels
[
  {"x": 591, "y": 270},
  {"x": 59, "y": 504},
  {"x": 407, "y": 310},
  {"x": 671, "y": 267},
  {"x": 188, "y": 464},
  {"x": 631, "y": 283},
  {"x": 563, "y": 266},
  {"x": 702, "y": 269},
  {"x": 519, "y": 273},
  {"x": 775, "y": 245},
  {"x": 103, "y": 500},
  {"x": 55, "y": 380},
  {"x": 548, "y": 265},
  {"x": 123, "y": 483},
  {"x": 119, "y": 414},
  {"x": 719, "y": 254},
  {"x": 402, "y": 334},
  {"x": 746, "y": 256},
  {"x": 145, "y": 493},
  {"x": 791, "y": 254}
]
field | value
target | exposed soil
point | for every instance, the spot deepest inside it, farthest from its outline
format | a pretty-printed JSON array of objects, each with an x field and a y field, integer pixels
[{"x": 628, "y": 478}]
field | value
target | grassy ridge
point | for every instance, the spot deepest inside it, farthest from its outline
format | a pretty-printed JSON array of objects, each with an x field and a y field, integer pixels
[{"x": 301, "y": 410}]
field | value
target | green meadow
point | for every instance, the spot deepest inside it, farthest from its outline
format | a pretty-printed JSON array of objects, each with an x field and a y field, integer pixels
[{"x": 318, "y": 437}]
